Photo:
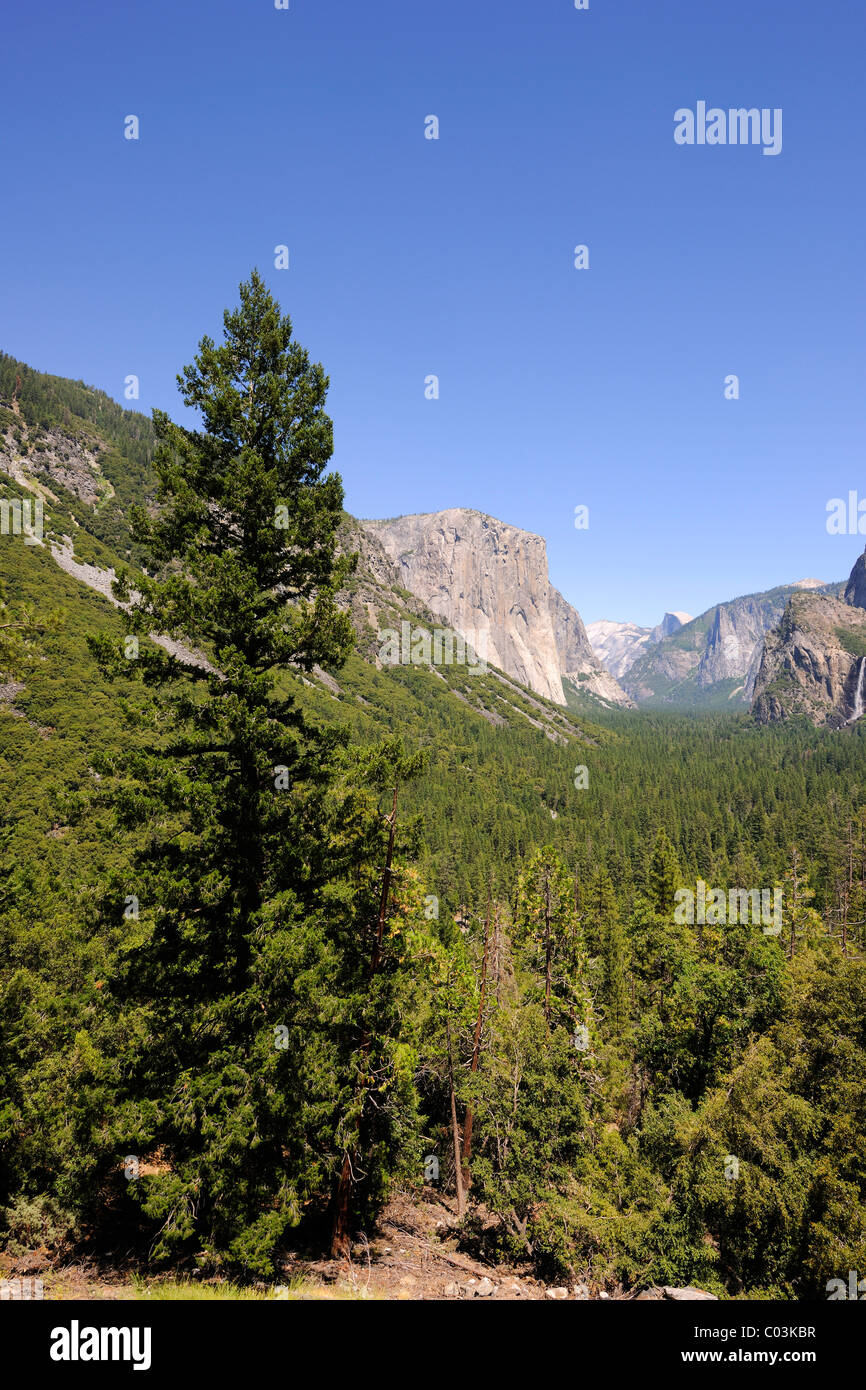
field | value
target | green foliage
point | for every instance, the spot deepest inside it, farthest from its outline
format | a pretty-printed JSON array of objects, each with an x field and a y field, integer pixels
[
  {"x": 217, "y": 959},
  {"x": 245, "y": 971}
]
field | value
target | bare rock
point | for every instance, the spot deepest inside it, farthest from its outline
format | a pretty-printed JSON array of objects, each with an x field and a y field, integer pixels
[
  {"x": 814, "y": 663},
  {"x": 488, "y": 580}
]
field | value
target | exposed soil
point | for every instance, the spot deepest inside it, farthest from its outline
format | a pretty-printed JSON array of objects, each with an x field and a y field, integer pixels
[{"x": 412, "y": 1254}]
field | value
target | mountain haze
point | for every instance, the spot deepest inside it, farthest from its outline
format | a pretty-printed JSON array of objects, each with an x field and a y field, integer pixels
[
  {"x": 618, "y": 645},
  {"x": 712, "y": 661}
]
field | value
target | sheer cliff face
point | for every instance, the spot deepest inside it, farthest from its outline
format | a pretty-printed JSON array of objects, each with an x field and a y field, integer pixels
[
  {"x": 855, "y": 589},
  {"x": 733, "y": 648},
  {"x": 714, "y": 657},
  {"x": 618, "y": 645},
  {"x": 482, "y": 576},
  {"x": 813, "y": 664},
  {"x": 814, "y": 661}
]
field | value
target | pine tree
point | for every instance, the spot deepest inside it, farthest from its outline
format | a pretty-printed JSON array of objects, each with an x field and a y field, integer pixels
[
  {"x": 243, "y": 926},
  {"x": 613, "y": 945},
  {"x": 664, "y": 875},
  {"x": 548, "y": 922}
]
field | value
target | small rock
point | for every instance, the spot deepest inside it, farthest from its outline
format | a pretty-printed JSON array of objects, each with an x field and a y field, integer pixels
[
  {"x": 557, "y": 1293},
  {"x": 451, "y": 1290},
  {"x": 688, "y": 1294},
  {"x": 484, "y": 1288},
  {"x": 604, "y": 1295}
]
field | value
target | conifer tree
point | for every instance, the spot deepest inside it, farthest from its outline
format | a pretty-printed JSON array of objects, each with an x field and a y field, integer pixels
[
  {"x": 664, "y": 875},
  {"x": 613, "y": 947},
  {"x": 248, "y": 887},
  {"x": 547, "y": 917}
]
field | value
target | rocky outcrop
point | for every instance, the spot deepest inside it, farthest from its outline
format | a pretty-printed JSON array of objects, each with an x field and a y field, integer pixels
[
  {"x": 489, "y": 581},
  {"x": 54, "y": 456},
  {"x": 714, "y": 658},
  {"x": 855, "y": 589},
  {"x": 618, "y": 645},
  {"x": 814, "y": 662}
]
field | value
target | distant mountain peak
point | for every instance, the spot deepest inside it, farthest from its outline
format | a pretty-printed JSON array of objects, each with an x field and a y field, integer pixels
[{"x": 618, "y": 645}]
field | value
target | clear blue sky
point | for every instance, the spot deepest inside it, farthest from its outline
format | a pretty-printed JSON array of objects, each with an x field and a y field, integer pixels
[{"x": 411, "y": 257}]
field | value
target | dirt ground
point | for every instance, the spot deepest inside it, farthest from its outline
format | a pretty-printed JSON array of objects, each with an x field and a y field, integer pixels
[{"x": 412, "y": 1254}]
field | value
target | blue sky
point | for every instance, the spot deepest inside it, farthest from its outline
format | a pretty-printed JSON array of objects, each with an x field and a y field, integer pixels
[{"x": 411, "y": 257}]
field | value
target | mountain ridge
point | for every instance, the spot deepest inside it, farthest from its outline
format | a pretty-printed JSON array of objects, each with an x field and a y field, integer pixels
[
  {"x": 712, "y": 661},
  {"x": 90, "y": 458}
]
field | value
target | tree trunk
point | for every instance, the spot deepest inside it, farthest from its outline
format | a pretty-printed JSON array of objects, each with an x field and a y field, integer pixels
[
  {"x": 548, "y": 953},
  {"x": 342, "y": 1202},
  {"x": 340, "y": 1238},
  {"x": 455, "y": 1130},
  {"x": 476, "y": 1053}
]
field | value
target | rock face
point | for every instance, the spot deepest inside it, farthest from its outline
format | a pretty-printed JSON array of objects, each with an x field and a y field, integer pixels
[
  {"x": 733, "y": 646},
  {"x": 670, "y": 623},
  {"x": 855, "y": 589},
  {"x": 618, "y": 645},
  {"x": 489, "y": 582},
  {"x": 814, "y": 661},
  {"x": 714, "y": 658},
  {"x": 57, "y": 456}
]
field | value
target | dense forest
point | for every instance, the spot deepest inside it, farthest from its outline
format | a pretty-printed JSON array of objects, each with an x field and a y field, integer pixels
[{"x": 270, "y": 944}]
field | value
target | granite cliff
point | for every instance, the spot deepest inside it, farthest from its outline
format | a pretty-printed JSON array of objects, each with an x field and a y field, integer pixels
[
  {"x": 489, "y": 581},
  {"x": 618, "y": 645},
  {"x": 814, "y": 661},
  {"x": 713, "y": 660}
]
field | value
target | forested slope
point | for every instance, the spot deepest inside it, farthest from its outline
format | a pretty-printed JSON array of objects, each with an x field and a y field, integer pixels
[{"x": 308, "y": 910}]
